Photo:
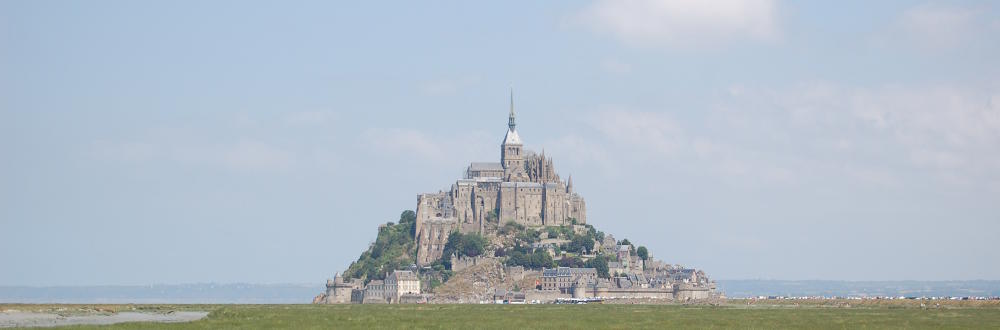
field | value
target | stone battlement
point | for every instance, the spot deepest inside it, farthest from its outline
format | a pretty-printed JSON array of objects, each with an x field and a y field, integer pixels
[{"x": 523, "y": 188}]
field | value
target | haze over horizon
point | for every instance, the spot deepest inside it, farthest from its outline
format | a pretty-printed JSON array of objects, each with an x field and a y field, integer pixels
[{"x": 264, "y": 142}]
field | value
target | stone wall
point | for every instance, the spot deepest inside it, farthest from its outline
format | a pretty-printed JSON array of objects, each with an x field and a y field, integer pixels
[
  {"x": 686, "y": 292},
  {"x": 412, "y": 299},
  {"x": 431, "y": 239},
  {"x": 435, "y": 221},
  {"x": 632, "y": 293},
  {"x": 461, "y": 263},
  {"x": 515, "y": 273},
  {"x": 545, "y": 296}
]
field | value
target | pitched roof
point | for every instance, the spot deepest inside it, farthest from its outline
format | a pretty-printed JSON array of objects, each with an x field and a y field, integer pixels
[
  {"x": 404, "y": 275},
  {"x": 566, "y": 271},
  {"x": 511, "y": 137},
  {"x": 485, "y": 166}
]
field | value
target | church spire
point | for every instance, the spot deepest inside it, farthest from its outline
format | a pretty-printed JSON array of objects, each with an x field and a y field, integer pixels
[{"x": 510, "y": 120}]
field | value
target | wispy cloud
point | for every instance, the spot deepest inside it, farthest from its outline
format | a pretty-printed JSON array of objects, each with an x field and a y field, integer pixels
[
  {"x": 686, "y": 23},
  {"x": 241, "y": 156},
  {"x": 404, "y": 142},
  {"x": 416, "y": 145},
  {"x": 656, "y": 132},
  {"x": 255, "y": 145},
  {"x": 936, "y": 27},
  {"x": 809, "y": 133},
  {"x": 947, "y": 130}
]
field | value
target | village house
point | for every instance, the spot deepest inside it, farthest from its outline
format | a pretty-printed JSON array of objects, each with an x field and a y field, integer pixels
[{"x": 563, "y": 278}]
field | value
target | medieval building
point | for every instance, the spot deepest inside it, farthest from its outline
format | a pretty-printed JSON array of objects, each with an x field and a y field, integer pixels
[{"x": 523, "y": 188}]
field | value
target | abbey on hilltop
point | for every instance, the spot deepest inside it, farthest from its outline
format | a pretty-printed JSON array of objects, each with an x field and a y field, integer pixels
[
  {"x": 523, "y": 187},
  {"x": 508, "y": 232}
]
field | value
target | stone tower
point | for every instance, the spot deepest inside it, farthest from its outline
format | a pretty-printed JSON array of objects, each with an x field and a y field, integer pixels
[
  {"x": 512, "y": 150},
  {"x": 523, "y": 187}
]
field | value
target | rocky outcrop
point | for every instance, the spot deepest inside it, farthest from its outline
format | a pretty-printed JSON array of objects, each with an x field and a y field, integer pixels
[{"x": 479, "y": 282}]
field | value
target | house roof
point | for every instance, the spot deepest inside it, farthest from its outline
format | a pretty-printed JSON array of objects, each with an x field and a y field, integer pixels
[
  {"x": 404, "y": 275},
  {"x": 566, "y": 271},
  {"x": 485, "y": 166}
]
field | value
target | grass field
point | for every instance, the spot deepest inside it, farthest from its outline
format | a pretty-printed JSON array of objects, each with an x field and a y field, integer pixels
[{"x": 733, "y": 315}]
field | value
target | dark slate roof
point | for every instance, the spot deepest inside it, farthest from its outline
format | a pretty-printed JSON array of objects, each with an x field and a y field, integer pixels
[
  {"x": 566, "y": 271},
  {"x": 485, "y": 166},
  {"x": 405, "y": 275}
]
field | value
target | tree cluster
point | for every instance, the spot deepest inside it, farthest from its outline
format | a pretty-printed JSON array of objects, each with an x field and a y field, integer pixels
[
  {"x": 534, "y": 260},
  {"x": 394, "y": 248},
  {"x": 600, "y": 263},
  {"x": 467, "y": 245}
]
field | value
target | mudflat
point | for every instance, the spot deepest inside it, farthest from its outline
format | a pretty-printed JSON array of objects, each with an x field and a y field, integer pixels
[{"x": 17, "y": 318}]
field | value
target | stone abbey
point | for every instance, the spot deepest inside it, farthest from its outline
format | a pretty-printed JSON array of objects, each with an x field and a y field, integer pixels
[
  {"x": 535, "y": 246},
  {"x": 523, "y": 188}
]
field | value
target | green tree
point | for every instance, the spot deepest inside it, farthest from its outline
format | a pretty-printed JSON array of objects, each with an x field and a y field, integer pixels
[
  {"x": 394, "y": 248},
  {"x": 601, "y": 264},
  {"x": 408, "y": 216},
  {"x": 642, "y": 252},
  {"x": 540, "y": 259},
  {"x": 553, "y": 232},
  {"x": 572, "y": 262},
  {"x": 581, "y": 244},
  {"x": 468, "y": 245},
  {"x": 473, "y": 245},
  {"x": 517, "y": 258},
  {"x": 511, "y": 227}
]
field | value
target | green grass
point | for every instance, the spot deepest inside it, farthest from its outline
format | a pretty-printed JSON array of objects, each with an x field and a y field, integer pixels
[{"x": 577, "y": 316}]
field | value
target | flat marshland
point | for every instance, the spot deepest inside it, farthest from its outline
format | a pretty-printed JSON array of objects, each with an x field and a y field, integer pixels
[{"x": 822, "y": 314}]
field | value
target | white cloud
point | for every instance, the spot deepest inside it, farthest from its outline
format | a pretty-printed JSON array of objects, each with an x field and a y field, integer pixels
[
  {"x": 242, "y": 156},
  {"x": 811, "y": 133},
  {"x": 684, "y": 23},
  {"x": 415, "y": 145},
  {"x": 939, "y": 27},
  {"x": 654, "y": 131},
  {"x": 581, "y": 152},
  {"x": 407, "y": 142},
  {"x": 952, "y": 131},
  {"x": 251, "y": 144}
]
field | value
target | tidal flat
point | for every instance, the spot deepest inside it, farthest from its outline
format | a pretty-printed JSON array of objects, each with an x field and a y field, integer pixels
[{"x": 733, "y": 314}]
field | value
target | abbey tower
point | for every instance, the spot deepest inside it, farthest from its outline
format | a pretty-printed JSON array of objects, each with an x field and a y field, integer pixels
[{"x": 522, "y": 188}]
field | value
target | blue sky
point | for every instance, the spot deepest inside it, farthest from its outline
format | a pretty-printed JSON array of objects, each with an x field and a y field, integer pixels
[{"x": 241, "y": 141}]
